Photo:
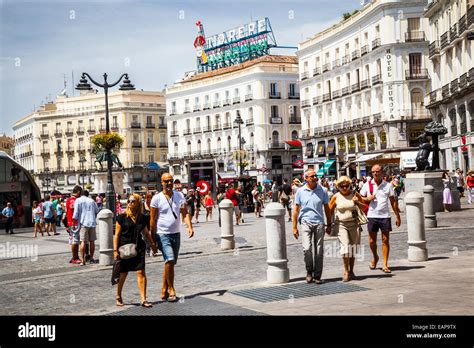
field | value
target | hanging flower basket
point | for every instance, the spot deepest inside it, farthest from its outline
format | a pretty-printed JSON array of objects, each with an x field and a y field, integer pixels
[{"x": 103, "y": 142}]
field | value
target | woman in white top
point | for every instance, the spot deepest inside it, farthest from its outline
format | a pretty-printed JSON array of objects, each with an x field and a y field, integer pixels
[
  {"x": 447, "y": 196},
  {"x": 344, "y": 203}
]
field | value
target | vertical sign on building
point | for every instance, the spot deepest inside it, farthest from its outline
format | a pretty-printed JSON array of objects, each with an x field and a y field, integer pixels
[{"x": 389, "y": 88}]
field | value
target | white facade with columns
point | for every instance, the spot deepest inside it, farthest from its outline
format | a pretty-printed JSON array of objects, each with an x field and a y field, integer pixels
[{"x": 362, "y": 85}]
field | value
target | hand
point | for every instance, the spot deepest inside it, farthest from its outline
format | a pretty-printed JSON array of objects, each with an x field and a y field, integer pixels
[
  {"x": 370, "y": 198},
  {"x": 355, "y": 199},
  {"x": 116, "y": 255},
  {"x": 295, "y": 233},
  {"x": 154, "y": 248},
  {"x": 398, "y": 221},
  {"x": 190, "y": 232},
  {"x": 328, "y": 228}
]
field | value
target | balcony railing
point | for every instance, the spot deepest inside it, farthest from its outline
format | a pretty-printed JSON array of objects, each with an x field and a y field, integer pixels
[
  {"x": 366, "y": 120},
  {"x": 433, "y": 97},
  {"x": 295, "y": 120},
  {"x": 216, "y": 104},
  {"x": 305, "y": 104},
  {"x": 187, "y": 132},
  {"x": 197, "y": 130},
  {"x": 249, "y": 122},
  {"x": 463, "y": 81},
  {"x": 206, "y": 106},
  {"x": 355, "y": 87},
  {"x": 174, "y": 133},
  {"x": 326, "y": 97},
  {"x": 162, "y": 126},
  {"x": 91, "y": 129},
  {"x": 44, "y": 134},
  {"x": 70, "y": 151},
  {"x": 69, "y": 132},
  {"x": 136, "y": 144},
  {"x": 434, "y": 48},
  {"x": 135, "y": 125},
  {"x": 316, "y": 71},
  {"x": 274, "y": 95},
  {"x": 336, "y": 63},
  {"x": 207, "y": 129},
  {"x": 470, "y": 17},
  {"x": 58, "y": 133},
  {"x": 364, "y": 50},
  {"x": 470, "y": 77},
  {"x": 317, "y": 130},
  {"x": 376, "y": 79},
  {"x": 151, "y": 144},
  {"x": 227, "y": 126},
  {"x": 80, "y": 130},
  {"x": 173, "y": 112},
  {"x": 276, "y": 120},
  {"x": 346, "y": 124},
  {"x": 462, "y": 25},
  {"x": 305, "y": 133},
  {"x": 356, "y": 122},
  {"x": 196, "y": 108},
  {"x": 377, "y": 117},
  {"x": 416, "y": 74},
  {"x": 445, "y": 91},
  {"x": 415, "y": 36},
  {"x": 294, "y": 95},
  {"x": 376, "y": 43},
  {"x": 346, "y": 59},
  {"x": 454, "y": 86},
  {"x": 187, "y": 110},
  {"x": 346, "y": 91},
  {"x": 364, "y": 84},
  {"x": 236, "y": 100},
  {"x": 453, "y": 32},
  {"x": 58, "y": 152},
  {"x": 326, "y": 67},
  {"x": 304, "y": 75},
  {"x": 276, "y": 145},
  {"x": 249, "y": 97},
  {"x": 150, "y": 125},
  {"x": 355, "y": 54},
  {"x": 317, "y": 100},
  {"x": 44, "y": 152},
  {"x": 162, "y": 144},
  {"x": 226, "y": 102},
  {"x": 336, "y": 94},
  {"x": 114, "y": 127},
  {"x": 444, "y": 40}
]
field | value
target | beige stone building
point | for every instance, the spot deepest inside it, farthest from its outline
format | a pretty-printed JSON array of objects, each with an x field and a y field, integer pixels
[
  {"x": 54, "y": 141},
  {"x": 7, "y": 144}
]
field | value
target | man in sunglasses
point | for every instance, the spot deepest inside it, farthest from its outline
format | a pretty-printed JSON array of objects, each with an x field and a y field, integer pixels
[
  {"x": 379, "y": 193},
  {"x": 309, "y": 202},
  {"x": 165, "y": 209}
]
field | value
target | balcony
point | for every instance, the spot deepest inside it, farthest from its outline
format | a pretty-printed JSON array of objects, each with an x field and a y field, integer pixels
[
  {"x": 345, "y": 91},
  {"x": 173, "y": 112},
  {"x": 356, "y": 122},
  {"x": 58, "y": 152},
  {"x": 136, "y": 144},
  {"x": 377, "y": 117},
  {"x": 216, "y": 104},
  {"x": 336, "y": 94},
  {"x": 337, "y": 126},
  {"x": 364, "y": 84},
  {"x": 470, "y": 78},
  {"x": 453, "y": 32},
  {"x": 376, "y": 43},
  {"x": 336, "y": 63},
  {"x": 91, "y": 129},
  {"x": 326, "y": 67},
  {"x": 174, "y": 134},
  {"x": 150, "y": 144},
  {"x": 326, "y": 97},
  {"x": 346, "y": 124},
  {"x": 304, "y": 75},
  {"x": 444, "y": 40},
  {"x": 274, "y": 95},
  {"x": 445, "y": 91},
  {"x": 236, "y": 100},
  {"x": 295, "y": 120},
  {"x": 70, "y": 151},
  {"x": 376, "y": 79},
  {"x": 226, "y": 102},
  {"x": 207, "y": 129},
  {"x": 114, "y": 128},
  {"x": 101, "y": 129},
  {"x": 434, "y": 96},
  {"x": 346, "y": 59},
  {"x": 327, "y": 128},
  {"x": 80, "y": 130},
  {"x": 454, "y": 87},
  {"x": 162, "y": 126},
  {"x": 317, "y": 71},
  {"x": 163, "y": 145},
  {"x": 355, "y": 87},
  {"x": 470, "y": 17},
  {"x": 276, "y": 145},
  {"x": 355, "y": 54},
  {"x": 135, "y": 125},
  {"x": 462, "y": 25},
  {"x": 69, "y": 132},
  {"x": 294, "y": 95},
  {"x": 276, "y": 120},
  {"x": 249, "y": 122},
  {"x": 44, "y": 134},
  {"x": 217, "y": 127},
  {"x": 366, "y": 120},
  {"x": 58, "y": 133},
  {"x": 187, "y": 110},
  {"x": 44, "y": 153},
  {"x": 187, "y": 132},
  {"x": 70, "y": 169},
  {"x": 196, "y": 108},
  {"x": 206, "y": 106},
  {"x": 416, "y": 73},
  {"x": 463, "y": 81},
  {"x": 415, "y": 36},
  {"x": 305, "y": 103},
  {"x": 364, "y": 50},
  {"x": 227, "y": 126},
  {"x": 248, "y": 97},
  {"x": 434, "y": 48},
  {"x": 317, "y": 130},
  {"x": 305, "y": 133}
]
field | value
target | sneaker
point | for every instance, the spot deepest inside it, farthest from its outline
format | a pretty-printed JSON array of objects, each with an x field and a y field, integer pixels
[
  {"x": 76, "y": 261},
  {"x": 57, "y": 233},
  {"x": 88, "y": 257},
  {"x": 318, "y": 280},
  {"x": 92, "y": 261}
]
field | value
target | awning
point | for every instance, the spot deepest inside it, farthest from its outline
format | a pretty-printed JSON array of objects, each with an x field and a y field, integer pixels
[
  {"x": 323, "y": 170},
  {"x": 367, "y": 157}
]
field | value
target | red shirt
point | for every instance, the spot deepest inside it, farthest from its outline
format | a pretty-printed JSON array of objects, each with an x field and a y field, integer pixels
[
  {"x": 470, "y": 181},
  {"x": 230, "y": 194},
  {"x": 70, "y": 211}
]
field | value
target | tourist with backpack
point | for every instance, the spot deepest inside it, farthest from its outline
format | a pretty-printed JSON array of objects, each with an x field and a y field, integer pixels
[{"x": 284, "y": 194}]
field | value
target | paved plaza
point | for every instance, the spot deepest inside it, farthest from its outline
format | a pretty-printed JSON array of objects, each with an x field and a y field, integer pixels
[{"x": 214, "y": 282}]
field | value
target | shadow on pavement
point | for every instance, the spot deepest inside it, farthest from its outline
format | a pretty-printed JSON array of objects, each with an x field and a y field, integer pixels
[
  {"x": 404, "y": 268},
  {"x": 204, "y": 293},
  {"x": 438, "y": 258}
]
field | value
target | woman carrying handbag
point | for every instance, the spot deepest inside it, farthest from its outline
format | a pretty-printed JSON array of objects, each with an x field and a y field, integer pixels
[
  {"x": 129, "y": 247},
  {"x": 349, "y": 218}
]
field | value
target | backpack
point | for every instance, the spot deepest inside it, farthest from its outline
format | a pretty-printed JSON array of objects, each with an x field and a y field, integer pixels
[{"x": 284, "y": 197}]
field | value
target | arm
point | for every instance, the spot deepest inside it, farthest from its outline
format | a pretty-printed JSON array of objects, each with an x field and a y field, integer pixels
[
  {"x": 296, "y": 213},
  {"x": 153, "y": 219},
  {"x": 116, "y": 241},
  {"x": 394, "y": 204},
  {"x": 327, "y": 211},
  {"x": 187, "y": 220},
  {"x": 359, "y": 199},
  {"x": 332, "y": 205}
]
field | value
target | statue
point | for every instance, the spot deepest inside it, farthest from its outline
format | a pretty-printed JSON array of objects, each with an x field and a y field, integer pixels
[
  {"x": 102, "y": 157},
  {"x": 432, "y": 130},
  {"x": 423, "y": 152}
]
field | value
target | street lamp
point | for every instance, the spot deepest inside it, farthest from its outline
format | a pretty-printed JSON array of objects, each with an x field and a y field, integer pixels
[
  {"x": 82, "y": 160},
  {"x": 238, "y": 120},
  {"x": 83, "y": 85}
]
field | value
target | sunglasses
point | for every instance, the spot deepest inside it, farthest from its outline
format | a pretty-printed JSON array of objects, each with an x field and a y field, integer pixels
[
  {"x": 132, "y": 201},
  {"x": 168, "y": 181},
  {"x": 312, "y": 176},
  {"x": 344, "y": 186}
]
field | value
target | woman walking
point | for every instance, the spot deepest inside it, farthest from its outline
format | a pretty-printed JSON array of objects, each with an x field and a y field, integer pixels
[
  {"x": 59, "y": 212},
  {"x": 37, "y": 216},
  {"x": 447, "y": 196},
  {"x": 345, "y": 204},
  {"x": 197, "y": 195},
  {"x": 470, "y": 186},
  {"x": 129, "y": 229},
  {"x": 209, "y": 203}
]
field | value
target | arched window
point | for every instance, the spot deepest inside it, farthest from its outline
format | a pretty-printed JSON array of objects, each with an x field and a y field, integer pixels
[
  {"x": 275, "y": 137},
  {"x": 219, "y": 144},
  {"x": 452, "y": 118},
  {"x": 416, "y": 98},
  {"x": 229, "y": 140},
  {"x": 294, "y": 135},
  {"x": 199, "y": 146},
  {"x": 209, "y": 145},
  {"x": 175, "y": 149},
  {"x": 462, "y": 118}
]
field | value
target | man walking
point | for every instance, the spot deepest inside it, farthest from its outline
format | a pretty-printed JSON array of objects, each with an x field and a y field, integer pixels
[
  {"x": 284, "y": 193},
  {"x": 309, "y": 202},
  {"x": 73, "y": 229},
  {"x": 85, "y": 212},
  {"x": 8, "y": 212},
  {"x": 165, "y": 208},
  {"x": 49, "y": 214},
  {"x": 379, "y": 193}
]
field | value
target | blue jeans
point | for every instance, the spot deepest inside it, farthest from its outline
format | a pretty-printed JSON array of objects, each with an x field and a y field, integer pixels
[{"x": 169, "y": 244}]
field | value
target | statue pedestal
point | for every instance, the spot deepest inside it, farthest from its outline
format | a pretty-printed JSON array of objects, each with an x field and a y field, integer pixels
[
  {"x": 415, "y": 181},
  {"x": 100, "y": 182}
]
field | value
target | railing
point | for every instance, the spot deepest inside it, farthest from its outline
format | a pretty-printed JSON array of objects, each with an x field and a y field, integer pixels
[
  {"x": 444, "y": 40},
  {"x": 377, "y": 117},
  {"x": 415, "y": 36},
  {"x": 187, "y": 110},
  {"x": 102, "y": 129},
  {"x": 305, "y": 133},
  {"x": 355, "y": 87},
  {"x": 274, "y": 95},
  {"x": 462, "y": 25},
  {"x": 327, "y": 128},
  {"x": 376, "y": 43},
  {"x": 346, "y": 91},
  {"x": 207, "y": 129},
  {"x": 366, "y": 120},
  {"x": 433, "y": 48},
  {"x": 150, "y": 144},
  {"x": 316, "y": 71},
  {"x": 326, "y": 67},
  {"x": 376, "y": 79},
  {"x": 276, "y": 145},
  {"x": 365, "y": 84},
  {"x": 295, "y": 120},
  {"x": 206, "y": 106},
  {"x": 197, "y": 130},
  {"x": 162, "y": 126},
  {"x": 336, "y": 63},
  {"x": 433, "y": 96},
  {"x": 135, "y": 125},
  {"x": 276, "y": 120},
  {"x": 217, "y": 127},
  {"x": 248, "y": 97},
  {"x": 150, "y": 125},
  {"x": 326, "y": 97},
  {"x": 58, "y": 152},
  {"x": 336, "y": 94},
  {"x": 187, "y": 132},
  {"x": 236, "y": 100},
  {"x": 58, "y": 133},
  {"x": 304, "y": 75},
  {"x": 44, "y": 152},
  {"x": 416, "y": 73},
  {"x": 445, "y": 91},
  {"x": 346, "y": 124},
  {"x": 69, "y": 132},
  {"x": 196, "y": 108},
  {"x": 216, "y": 104},
  {"x": 44, "y": 134},
  {"x": 174, "y": 133},
  {"x": 470, "y": 77},
  {"x": 80, "y": 130},
  {"x": 453, "y": 32},
  {"x": 337, "y": 126},
  {"x": 463, "y": 81},
  {"x": 70, "y": 150},
  {"x": 346, "y": 59},
  {"x": 227, "y": 126},
  {"x": 226, "y": 102},
  {"x": 249, "y": 122},
  {"x": 454, "y": 86},
  {"x": 364, "y": 50},
  {"x": 355, "y": 54},
  {"x": 173, "y": 112},
  {"x": 294, "y": 95},
  {"x": 136, "y": 144},
  {"x": 305, "y": 104},
  {"x": 470, "y": 17},
  {"x": 114, "y": 127},
  {"x": 163, "y": 144},
  {"x": 317, "y": 130}
]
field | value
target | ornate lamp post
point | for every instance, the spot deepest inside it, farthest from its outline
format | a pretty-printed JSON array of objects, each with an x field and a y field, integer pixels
[
  {"x": 47, "y": 179},
  {"x": 82, "y": 160},
  {"x": 83, "y": 85},
  {"x": 239, "y": 121}
]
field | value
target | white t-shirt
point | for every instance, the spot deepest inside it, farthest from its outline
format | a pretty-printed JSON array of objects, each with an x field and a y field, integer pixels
[
  {"x": 167, "y": 223},
  {"x": 380, "y": 207}
]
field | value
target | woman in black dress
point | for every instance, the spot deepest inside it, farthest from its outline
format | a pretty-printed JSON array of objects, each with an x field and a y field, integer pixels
[{"x": 129, "y": 228}]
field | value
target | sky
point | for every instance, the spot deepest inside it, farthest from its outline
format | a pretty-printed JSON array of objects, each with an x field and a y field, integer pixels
[{"x": 44, "y": 41}]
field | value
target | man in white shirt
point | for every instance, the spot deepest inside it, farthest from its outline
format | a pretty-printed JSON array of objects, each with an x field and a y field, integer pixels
[
  {"x": 379, "y": 193},
  {"x": 165, "y": 209}
]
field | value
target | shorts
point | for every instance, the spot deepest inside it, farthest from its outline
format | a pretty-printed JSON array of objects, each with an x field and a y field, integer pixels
[
  {"x": 87, "y": 234},
  {"x": 50, "y": 220},
  {"x": 257, "y": 204},
  {"x": 236, "y": 209},
  {"x": 169, "y": 244},
  {"x": 74, "y": 236},
  {"x": 37, "y": 220},
  {"x": 384, "y": 224}
]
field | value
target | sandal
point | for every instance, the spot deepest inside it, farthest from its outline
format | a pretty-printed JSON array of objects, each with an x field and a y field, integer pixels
[
  {"x": 119, "y": 301},
  {"x": 386, "y": 269},
  {"x": 172, "y": 298},
  {"x": 165, "y": 295},
  {"x": 146, "y": 304},
  {"x": 346, "y": 277},
  {"x": 373, "y": 263}
]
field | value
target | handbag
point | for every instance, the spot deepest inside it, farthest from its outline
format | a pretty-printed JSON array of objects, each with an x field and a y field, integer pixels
[
  {"x": 361, "y": 217},
  {"x": 128, "y": 251}
]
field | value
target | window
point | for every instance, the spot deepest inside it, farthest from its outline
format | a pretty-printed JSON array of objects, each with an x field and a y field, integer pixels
[
  {"x": 294, "y": 135},
  {"x": 415, "y": 63},
  {"x": 149, "y": 120},
  {"x": 274, "y": 111},
  {"x": 275, "y": 137},
  {"x": 273, "y": 89},
  {"x": 292, "y": 88}
]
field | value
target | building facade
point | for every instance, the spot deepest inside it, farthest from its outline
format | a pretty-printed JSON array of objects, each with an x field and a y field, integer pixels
[
  {"x": 7, "y": 144},
  {"x": 202, "y": 128},
  {"x": 53, "y": 142},
  {"x": 451, "y": 101},
  {"x": 362, "y": 84}
]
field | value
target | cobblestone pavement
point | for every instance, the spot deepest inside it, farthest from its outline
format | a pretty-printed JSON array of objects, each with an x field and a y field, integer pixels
[{"x": 48, "y": 285}]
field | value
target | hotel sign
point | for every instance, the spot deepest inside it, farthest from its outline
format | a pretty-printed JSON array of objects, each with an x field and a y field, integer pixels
[{"x": 389, "y": 95}]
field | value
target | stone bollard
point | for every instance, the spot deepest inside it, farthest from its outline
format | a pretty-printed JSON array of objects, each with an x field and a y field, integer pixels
[
  {"x": 227, "y": 224},
  {"x": 416, "y": 227},
  {"x": 277, "y": 271},
  {"x": 105, "y": 226},
  {"x": 428, "y": 207}
]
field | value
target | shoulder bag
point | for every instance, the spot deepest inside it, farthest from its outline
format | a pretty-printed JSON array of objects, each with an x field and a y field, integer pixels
[{"x": 128, "y": 251}]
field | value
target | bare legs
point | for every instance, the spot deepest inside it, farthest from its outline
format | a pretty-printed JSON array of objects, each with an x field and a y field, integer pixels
[{"x": 141, "y": 281}]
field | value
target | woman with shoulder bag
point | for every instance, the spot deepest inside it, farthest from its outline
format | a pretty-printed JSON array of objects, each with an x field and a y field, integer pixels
[
  {"x": 129, "y": 247},
  {"x": 349, "y": 217}
]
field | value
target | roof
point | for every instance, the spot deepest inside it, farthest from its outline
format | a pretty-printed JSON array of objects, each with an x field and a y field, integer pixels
[{"x": 222, "y": 71}]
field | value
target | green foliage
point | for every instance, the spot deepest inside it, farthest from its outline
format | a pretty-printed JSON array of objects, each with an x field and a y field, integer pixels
[
  {"x": 348, "y": 15},
  {"x": 103, "y": 142}
]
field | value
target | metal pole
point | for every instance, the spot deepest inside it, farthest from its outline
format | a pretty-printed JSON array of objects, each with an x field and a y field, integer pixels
[
  {"x": 110, "y": 194},
  {"x": 240, "y": 150}
]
